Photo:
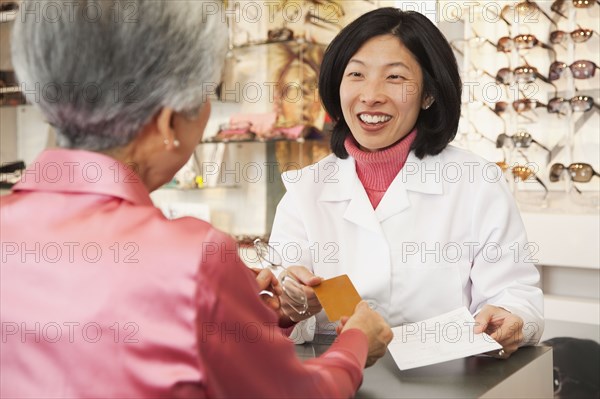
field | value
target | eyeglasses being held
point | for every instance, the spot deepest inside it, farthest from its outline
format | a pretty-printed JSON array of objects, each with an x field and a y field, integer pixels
[{"x": 293, "y": 292}]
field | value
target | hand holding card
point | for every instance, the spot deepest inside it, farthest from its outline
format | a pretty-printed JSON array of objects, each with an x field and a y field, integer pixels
[{"x": 337, "y": 296}]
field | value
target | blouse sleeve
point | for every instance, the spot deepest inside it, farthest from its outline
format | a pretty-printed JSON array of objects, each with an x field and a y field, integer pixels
[{"x": 242, "y": 351}]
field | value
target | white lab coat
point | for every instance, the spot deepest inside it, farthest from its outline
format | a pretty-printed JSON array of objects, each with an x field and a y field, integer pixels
[{"x": 447, "y": 233}]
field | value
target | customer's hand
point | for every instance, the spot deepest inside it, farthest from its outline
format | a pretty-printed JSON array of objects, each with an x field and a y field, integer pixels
[
  {"x": 308, "y": 280},
  {"x": 374, "y": 326},
  {"x": 268, "y": 282},
  {"x": 505, "y": 327}
]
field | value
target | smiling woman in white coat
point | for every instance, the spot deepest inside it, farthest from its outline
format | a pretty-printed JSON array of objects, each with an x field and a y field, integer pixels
[{"x": 420, "y": 227}]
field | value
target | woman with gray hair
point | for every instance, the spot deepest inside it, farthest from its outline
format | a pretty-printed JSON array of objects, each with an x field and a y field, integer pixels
[{"x": 101, "y": 295}]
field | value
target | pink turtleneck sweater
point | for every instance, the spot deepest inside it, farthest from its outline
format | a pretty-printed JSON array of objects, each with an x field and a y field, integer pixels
[{"x": 376, "y": 170}]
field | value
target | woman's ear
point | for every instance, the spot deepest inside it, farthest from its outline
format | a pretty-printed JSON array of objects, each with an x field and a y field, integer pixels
[
  {"x": 164, "y": 127},
  {"x": 427, "y": 102}
]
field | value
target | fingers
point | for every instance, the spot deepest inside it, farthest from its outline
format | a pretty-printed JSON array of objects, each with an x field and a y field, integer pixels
[
  {"x": 267, "y": 281},
  {"x": 341, "y": 324},
  {"x": 482, "y": 319},
  {"x": 504, "y": 327},
  {"x": 375, "y": 328},
  {"x": 305, "y": 276},
  {"x": 509, "y": 334},
  {"x": 362, "y": 305},
  {"x": 271, "y": 302},
  {"x": 307, "y": 280}
]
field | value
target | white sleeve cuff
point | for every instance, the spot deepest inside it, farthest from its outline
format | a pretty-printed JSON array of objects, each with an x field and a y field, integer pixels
[{"x": 304, "y": 331}]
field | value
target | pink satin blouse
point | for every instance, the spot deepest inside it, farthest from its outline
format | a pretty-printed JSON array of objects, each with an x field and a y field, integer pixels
[{"x": 102, "y": 296}]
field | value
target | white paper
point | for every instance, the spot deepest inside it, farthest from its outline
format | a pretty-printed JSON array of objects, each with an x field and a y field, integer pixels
[{"x": 445, "y": 337}]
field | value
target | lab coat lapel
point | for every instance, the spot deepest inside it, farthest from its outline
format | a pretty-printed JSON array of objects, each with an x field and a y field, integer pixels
[
  {"x": 417, "y": 175},
  {"x": 349, "y": 189}
]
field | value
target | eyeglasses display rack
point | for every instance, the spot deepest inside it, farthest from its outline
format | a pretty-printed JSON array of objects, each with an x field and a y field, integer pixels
[
  {"x": 532, "y": 95},
  {"x": 531, "y": 104}
]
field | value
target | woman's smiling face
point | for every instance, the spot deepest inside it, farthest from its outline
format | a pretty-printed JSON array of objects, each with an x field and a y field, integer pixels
[{"x": 381, "y": 93}]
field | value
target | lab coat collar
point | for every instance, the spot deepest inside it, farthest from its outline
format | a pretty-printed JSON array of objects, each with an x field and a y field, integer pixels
[
  {"x": 84, "y": 172},
  {"x": 422, "y": 175},
  {"x": 347, "y": 187},
  {"x": 417, "y": 175}
]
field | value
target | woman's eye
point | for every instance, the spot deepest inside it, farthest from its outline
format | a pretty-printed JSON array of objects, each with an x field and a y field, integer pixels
[
  {"x": 354, "y": 74},
  {"x": 395, "y": 77}
]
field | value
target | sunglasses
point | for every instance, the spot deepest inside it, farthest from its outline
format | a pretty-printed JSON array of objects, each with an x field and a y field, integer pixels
[
  {"x": 507, "y": 44},
  {"x": 502, "y": 106},
  {"x": 582, "y": 69},
  {"x": 577, "y": 104},
  {"x": 519, "y": 139},
  {"x": 559, "y": 6},
  {"x": 524, "y": 12},
  {"x": 521, "y": 106},
  {"x": 555, "y": 105},
  {"x": 521, "y": 42},
  {"x": 522, "y": 172},
  {"x": 578, "y": 172},
  {"x": 522, "y": 74},
  {"x": 580, "y": 35}
]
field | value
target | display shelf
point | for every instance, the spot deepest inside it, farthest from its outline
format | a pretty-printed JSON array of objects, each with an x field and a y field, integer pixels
[
  {"x": 7, "y": 16},
  {"x": 10, "y": 90},
  {"x": 564, "y": 238},
  {"x": 298, "y": 140},
  {"x": 574, "y": 310}
]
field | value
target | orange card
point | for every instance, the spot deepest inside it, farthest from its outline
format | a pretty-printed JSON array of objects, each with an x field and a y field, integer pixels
[{"x": 337, "y": 296}]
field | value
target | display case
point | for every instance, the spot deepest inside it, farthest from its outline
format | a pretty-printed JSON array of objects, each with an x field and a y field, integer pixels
[{"x": 531, "y": 104}]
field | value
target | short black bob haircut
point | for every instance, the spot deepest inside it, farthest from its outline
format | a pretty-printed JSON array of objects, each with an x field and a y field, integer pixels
[{"x": 437, "y": 126}]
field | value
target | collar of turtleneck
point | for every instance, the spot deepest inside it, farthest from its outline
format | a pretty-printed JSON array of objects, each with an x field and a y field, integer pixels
[{"x": 376, "y": 170}]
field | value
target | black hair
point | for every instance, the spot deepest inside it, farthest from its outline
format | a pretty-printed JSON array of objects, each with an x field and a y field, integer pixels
[{"x": 436, "y": 126}]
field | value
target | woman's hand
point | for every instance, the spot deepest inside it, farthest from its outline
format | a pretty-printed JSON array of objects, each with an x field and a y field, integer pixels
[
  {"x": 268, "y": 282},
  {"x": 373, "y": 325},
  {"x": 505, "y": 327},
  {"x": 308, "y": 280}
]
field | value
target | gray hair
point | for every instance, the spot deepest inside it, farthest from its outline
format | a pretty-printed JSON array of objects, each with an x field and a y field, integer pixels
[{"x": 101, "y": 69}]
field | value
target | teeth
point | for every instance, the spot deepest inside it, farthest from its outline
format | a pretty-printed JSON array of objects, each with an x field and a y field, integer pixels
[{"x": 374, "y": 118}]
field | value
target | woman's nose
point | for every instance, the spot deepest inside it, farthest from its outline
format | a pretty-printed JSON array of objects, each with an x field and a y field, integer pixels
[{"x": 372, "y": 94}]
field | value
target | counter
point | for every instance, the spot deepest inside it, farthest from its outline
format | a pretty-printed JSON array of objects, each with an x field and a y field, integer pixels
[{"x": 526, "y": 374}]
